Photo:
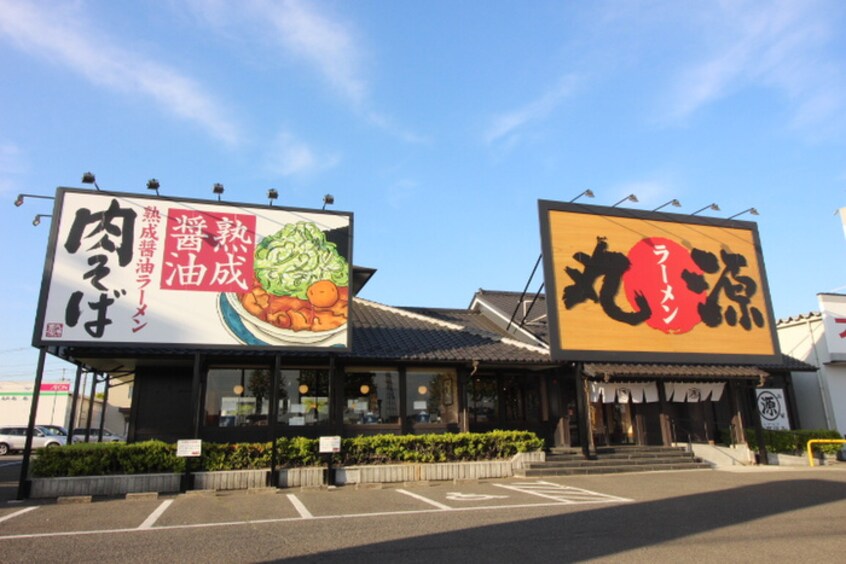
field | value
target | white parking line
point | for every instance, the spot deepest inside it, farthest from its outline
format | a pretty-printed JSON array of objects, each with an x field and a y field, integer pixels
[
  {"x": 16, "y": 513},
  {"x": 154, "y": 516},
  {"x": 426, "y": 500},
  {"x": 301, "y": 509},
  {"x": 563, "y": 494}
]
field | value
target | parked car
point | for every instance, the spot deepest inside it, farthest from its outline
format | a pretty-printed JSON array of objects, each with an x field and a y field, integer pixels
[
  {"x": 94, "y": 435},
  {"x": 13, "y": 438},
  {"x": 57, "y": 430}
]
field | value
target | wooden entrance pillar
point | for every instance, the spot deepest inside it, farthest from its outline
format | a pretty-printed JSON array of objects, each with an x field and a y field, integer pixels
[
  {"x": 738, "y": 434},
  {"x": 583, "y": 408},
  {"x": 664, "y": 417}
]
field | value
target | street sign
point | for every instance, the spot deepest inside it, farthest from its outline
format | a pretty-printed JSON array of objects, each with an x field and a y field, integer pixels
[
  {"x": 330, "y": 444},
  {"x": 189, "y": 448}
]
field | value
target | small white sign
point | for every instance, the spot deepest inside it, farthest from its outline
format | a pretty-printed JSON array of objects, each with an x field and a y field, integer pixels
[
  {"x": 420, "y": 405},
  {"x": 772, "y": 408},
  {"x": 330, "y": 444},
  {"x": 189, "y": 447}
]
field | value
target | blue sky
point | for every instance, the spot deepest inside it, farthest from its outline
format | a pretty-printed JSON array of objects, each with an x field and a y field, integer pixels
[{"x": 439, "y": 124}]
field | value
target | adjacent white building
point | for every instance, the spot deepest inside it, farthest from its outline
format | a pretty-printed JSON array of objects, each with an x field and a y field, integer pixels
[
  {"x": 16, "y": 403},
  {"x": 819, "y": 338}
]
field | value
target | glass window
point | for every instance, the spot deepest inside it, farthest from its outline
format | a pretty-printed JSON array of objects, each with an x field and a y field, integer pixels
[
  {"x": 303, "y": 397},
  {"x": 430, "y": 396},
  {"x": 520, "y": 398},
  {"x": 371, "y": 397},
  {"x": 482, "y": 405},
  {"x": 237, "y": 397}
]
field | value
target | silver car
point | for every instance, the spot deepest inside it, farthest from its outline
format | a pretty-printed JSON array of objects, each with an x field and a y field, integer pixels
[
  {"x": 94, "y": 436},
  {"x": 13, "y": 438}
]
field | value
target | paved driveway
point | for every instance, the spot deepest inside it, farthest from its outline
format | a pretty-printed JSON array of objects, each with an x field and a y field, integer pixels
[{"x": 669, "y": 516}]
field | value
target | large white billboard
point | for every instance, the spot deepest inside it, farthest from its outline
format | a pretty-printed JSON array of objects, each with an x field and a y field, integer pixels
[
  {"x": 833, "y": 308},
  {"x": 139, "y": 270}
]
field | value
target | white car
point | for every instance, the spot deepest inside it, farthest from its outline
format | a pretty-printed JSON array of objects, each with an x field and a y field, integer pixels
[
  {"x": 94, "y": 436},
  {"x": 13, "y": 438}
]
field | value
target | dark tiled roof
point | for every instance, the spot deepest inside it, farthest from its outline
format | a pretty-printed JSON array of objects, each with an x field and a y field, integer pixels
[
  {"x": 789, "y": 364},
  {"x": 465, "y": 317},
  {"x": 531, "y": 317},
  {"x": 536, "y": 323},
  {"x": 388, "y": 333}
]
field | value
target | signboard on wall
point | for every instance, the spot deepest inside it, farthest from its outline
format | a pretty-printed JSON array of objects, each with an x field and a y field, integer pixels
[
  {"x": 772, "y": 409},
  {"x": 137, "y": 270},
  {"x": 833, "y": 308},
  {"x": 16, "y": 402},
  {"x": 628, "y": 285}
]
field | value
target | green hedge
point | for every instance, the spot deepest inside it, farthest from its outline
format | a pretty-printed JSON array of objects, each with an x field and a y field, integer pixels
[
  {"x": 794, "y": 442},
  {"x": 152, "y": 457}
]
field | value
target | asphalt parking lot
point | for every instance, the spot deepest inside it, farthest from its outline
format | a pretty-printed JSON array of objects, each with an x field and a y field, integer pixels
[
  {"x": 67, "y": 516},
  {"x": 704, "y": 515}
]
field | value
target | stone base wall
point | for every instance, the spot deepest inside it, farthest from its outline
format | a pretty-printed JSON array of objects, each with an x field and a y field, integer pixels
[
  {"x": 104, "y": 485},
  {"x": 288, "y": 478}
]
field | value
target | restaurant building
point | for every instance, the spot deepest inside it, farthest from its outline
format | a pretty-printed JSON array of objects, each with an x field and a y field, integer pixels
[{"x": 242, "y": 323}]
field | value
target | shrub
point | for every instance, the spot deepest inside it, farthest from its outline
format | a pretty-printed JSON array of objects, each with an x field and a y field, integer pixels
[
  {"x": 153, "y": 457},
  {"x": 794, "y": 442},
  {"x": 100, "y": 459}
]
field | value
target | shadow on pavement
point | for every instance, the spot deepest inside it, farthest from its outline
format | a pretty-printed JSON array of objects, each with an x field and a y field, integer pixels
[{"x": 601, "y": 532}]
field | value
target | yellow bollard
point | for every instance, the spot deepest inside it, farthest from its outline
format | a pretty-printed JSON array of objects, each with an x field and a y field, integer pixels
[{"x": 820, "y": 441}]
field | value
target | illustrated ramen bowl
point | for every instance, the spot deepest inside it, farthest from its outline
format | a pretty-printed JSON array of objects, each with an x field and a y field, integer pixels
[{"x": 271, "y": 334}]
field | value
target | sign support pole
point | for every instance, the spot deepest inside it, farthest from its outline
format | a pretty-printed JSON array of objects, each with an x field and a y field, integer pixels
[
  {"x": 23, "y": 483},
  {"x": 195, "y": 396},
  {"x": 74, "y": 400},
  {"x": 94, "y": 377},
  {"x": 273, "y": 414}
]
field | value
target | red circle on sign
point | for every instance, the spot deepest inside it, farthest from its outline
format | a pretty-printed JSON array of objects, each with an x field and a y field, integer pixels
[{"x": 656, "y": 271}]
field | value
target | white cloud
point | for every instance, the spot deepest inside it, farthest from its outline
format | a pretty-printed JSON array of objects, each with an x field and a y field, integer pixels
[
  {"x": 288, "y": 156},
  {"x": 52, "y": 33},
  {"x": 779, "y": 45},
  {"x": 507, "y": 124},
  {"x": 650, "y": 193},
  {"x": 326, "y": 43}
]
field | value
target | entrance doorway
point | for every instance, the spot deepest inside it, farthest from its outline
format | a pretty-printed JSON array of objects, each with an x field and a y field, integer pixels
[{"x": 613, "y": 423}]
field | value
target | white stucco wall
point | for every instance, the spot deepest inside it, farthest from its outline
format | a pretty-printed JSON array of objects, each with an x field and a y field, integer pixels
[{"x": 820, "y": 395}]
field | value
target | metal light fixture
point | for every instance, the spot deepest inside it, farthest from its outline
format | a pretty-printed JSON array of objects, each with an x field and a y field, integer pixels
[
  {"x": 364, "y": 389},
  {"x": 20, "y": 199},
  {"x": 153, "y": 184},
  {"x": 675, "y": 203},
  {"x": 753, "y": 211},
  {"x": 218, "y": 189},
  {"x": 37, "y": 221},
  {"x": 238, "y": 389},
  {"x": 630, "y": 197},
  {"x": 588, "y": 193},
  {"x": 272, "y": 194},
  {"x": 328, "y": 200},
  {"x": 303, "y": 389},
  {"x": 422, "y": 390},
  {"x": 713, "y": 207},
  {"x": 88, "y": 178}
]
